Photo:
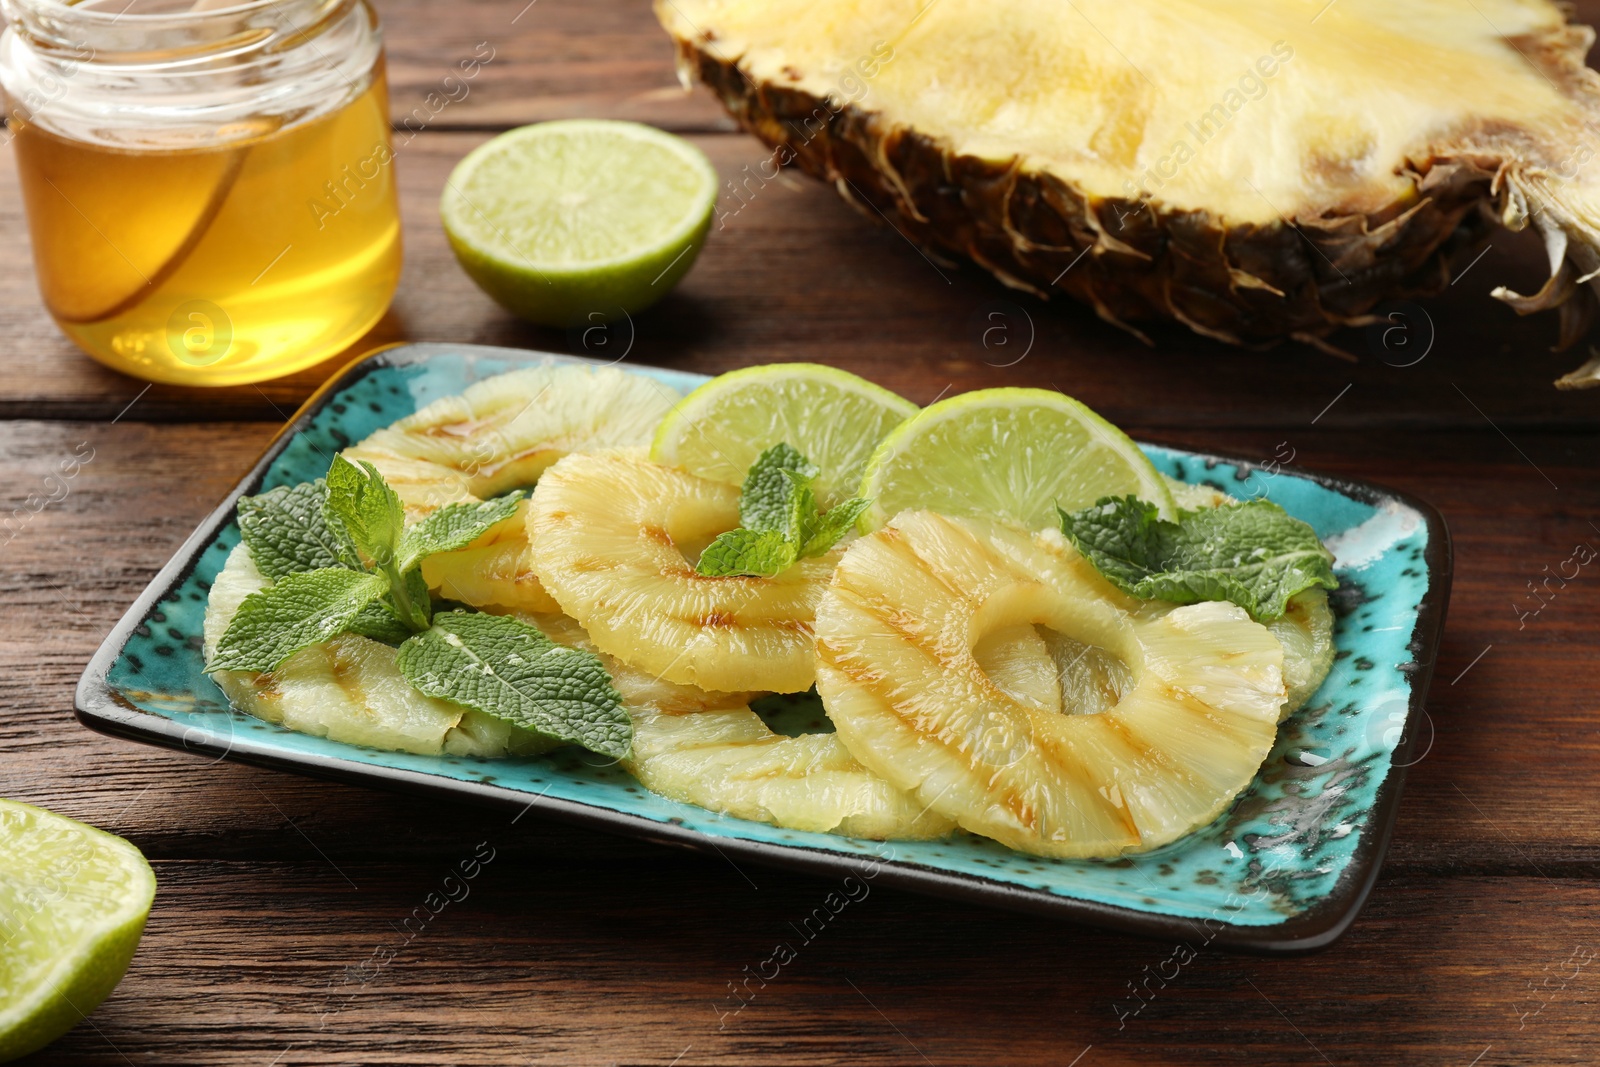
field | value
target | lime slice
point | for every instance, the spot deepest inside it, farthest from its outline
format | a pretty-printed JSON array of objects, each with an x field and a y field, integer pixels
[
  {"x": 579, "y": 221},
  {"x": 73, "y": 901},
  {"x": 834, "y": 418},
  {"x": 1008, "y": 454}
]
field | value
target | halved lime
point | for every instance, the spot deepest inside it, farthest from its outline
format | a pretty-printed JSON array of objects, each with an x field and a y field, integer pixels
[
  {"x": 581, "y": 220},
  {"x": 1007, "y": 454},
  {"x": 832, "y": 417},
  {"x": 73, "y": 901}
]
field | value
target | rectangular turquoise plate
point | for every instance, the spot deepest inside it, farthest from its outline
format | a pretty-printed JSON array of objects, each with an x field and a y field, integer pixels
[{"x": 1285, "y": 869}]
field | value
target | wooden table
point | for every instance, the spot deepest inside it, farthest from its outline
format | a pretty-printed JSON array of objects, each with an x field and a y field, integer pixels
[{"x": 578, "y": 948}]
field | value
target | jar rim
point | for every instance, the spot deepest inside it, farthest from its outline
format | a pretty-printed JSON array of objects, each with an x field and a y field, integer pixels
[
  {"x": 90, "y": 34},
  {"x": 92, "y": 14},
  {"x": 93, "y": 76}
]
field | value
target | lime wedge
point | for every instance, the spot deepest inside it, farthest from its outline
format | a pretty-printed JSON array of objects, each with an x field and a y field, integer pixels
[
  {"x": 834, "y": 418},
  {"x": 579, "y": 221},
  {"x": 73, "y": 901},
  {"x": 1008, "y": 454}
]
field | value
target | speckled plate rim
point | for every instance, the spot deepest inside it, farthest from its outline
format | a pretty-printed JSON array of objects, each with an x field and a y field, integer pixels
[{"x": 101, "y": 708}]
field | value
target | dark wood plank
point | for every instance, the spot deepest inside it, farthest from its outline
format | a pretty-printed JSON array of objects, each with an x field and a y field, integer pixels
[
  {"x": 1504, "y": 787},
  {"x": 545, "y": 59},
  {"x": 579, "y": 963},
  {"x": 796, "y": 274}
]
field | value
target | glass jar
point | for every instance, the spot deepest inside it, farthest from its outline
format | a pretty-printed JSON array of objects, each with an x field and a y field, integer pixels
[{"x": 209, "y": 188}]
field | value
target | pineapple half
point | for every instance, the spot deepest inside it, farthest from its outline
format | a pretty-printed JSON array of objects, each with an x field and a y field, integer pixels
[
  {"x": 918, "y": 639},
  {"x": 1255, "y": 169},
  {"x": 615, "y": 538},
  {"x": 499, "y": 435}
]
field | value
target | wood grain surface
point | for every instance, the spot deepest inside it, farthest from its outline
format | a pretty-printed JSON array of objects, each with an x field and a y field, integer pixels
[{"x": 577, "y": 948}]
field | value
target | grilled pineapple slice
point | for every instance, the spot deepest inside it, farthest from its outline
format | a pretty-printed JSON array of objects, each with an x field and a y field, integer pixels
[
  {"x": 1189, "y": 710},
  {"x": 499, "y": 435},
  {"x": 1254, "y": 169},
  {"x": 711, "y": 750},
  {"x": 614, "y": 538},
  {"x": 1305, "y": 630},
  {"x": 350, "y": 689}
]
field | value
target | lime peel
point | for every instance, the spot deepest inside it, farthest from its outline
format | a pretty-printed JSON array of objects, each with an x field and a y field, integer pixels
[
  {"x": 73, "y": 904},
  {"x": 579, "y": 220}
]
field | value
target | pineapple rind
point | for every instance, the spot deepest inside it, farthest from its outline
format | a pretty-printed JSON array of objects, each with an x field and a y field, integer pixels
[{"x": 897, "y": 672}]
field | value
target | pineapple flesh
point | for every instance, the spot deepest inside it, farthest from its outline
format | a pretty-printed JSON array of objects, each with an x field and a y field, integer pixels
[
  {"x": 1171, "y": 723},
  {"x": 690, "y": 745},
  {"x": 709, "y": 749},
  {"x": 1255, "y": 169},
  {"x": 499, "y": 435},
  {"x": 615, "y": 538}
]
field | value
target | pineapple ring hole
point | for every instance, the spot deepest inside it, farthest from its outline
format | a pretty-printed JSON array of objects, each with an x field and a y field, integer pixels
[{"x": 1045, "y": 656}]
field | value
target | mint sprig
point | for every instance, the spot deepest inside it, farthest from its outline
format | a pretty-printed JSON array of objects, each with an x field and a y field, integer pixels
[
  {"x": 1254, "y": 554},
  {"x": 780, "y": 522},
  {"x": 342, "y": 560}
]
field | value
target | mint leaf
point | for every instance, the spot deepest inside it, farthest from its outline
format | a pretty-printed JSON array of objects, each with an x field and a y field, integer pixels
[
  {"x": 361, "y": 503},
  {"x": 454, "y": 526},
  {"x": 508, "y": 669},
  {"x": 779, "y": 520},
  {"x": 298, "y": 611},
  {"x": 770, "y": 499},
  {"x": 287, "y": 532},
  {"x": 825, "y": 532},
  {"x": 749, "y": 553},
  {"x": 1253, "y": 554}
]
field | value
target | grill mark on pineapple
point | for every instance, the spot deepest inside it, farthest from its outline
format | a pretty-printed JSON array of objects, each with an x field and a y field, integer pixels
[
  {"x": 1146, "y": 750},
  {"x": 905, "y": 625},
  {"x": 1022, "y": 809},
  {"x": 346, "y": 669},
  {"x": 907, "y": 552},
  {"x": 1060, "y": 751},
  {"x": 881, "y": 689},
  {"x": 997, "y": 560}
]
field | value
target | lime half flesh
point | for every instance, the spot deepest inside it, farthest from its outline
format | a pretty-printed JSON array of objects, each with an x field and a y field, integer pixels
[
  {"x": 832, "y": 417},
  {"x": 73, "y": 902},
  {"x": 579, "y": 221},
  {"x": 1007, "y": 454}
]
